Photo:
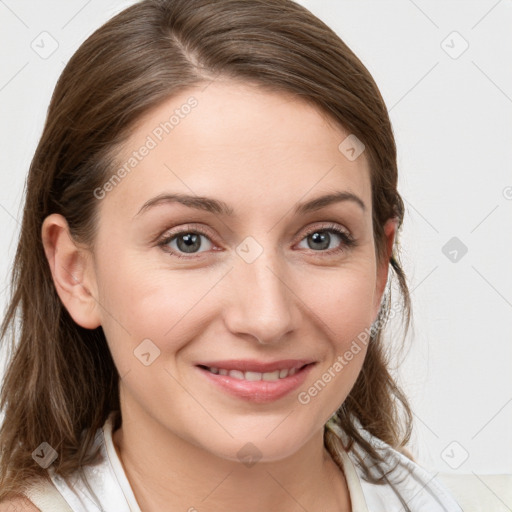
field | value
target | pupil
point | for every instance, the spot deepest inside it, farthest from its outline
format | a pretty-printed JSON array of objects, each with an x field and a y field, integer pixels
[
  {"x": 190, "y": 242},
  {"x": 319, "y": 238}
]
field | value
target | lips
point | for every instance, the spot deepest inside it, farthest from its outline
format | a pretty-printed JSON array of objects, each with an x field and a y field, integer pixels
[{"x": 257, "y": 381}]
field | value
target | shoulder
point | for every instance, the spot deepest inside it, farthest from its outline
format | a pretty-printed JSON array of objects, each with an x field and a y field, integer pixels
[{"x": 17, "y": 503}]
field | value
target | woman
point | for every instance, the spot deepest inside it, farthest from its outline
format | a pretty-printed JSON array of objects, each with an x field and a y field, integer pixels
[{"x": 210, "y": 218}]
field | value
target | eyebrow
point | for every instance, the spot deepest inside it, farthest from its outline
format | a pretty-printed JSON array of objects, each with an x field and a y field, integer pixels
[{"x": 221, "y": 208}]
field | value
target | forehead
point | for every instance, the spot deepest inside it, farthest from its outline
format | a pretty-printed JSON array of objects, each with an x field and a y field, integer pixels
[{"x": 249, "y": 147}]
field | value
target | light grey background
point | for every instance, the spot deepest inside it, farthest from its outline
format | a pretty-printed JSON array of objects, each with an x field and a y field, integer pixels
[{"x": 451, "y": 109}]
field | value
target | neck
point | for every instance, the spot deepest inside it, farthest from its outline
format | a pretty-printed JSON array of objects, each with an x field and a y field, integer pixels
[{"x": 167, "y": 472}]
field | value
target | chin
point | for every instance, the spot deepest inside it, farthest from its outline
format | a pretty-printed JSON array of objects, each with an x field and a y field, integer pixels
[{"x": 250, "y": 449}]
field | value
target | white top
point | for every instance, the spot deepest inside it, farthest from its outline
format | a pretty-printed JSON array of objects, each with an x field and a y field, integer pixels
[{"x": 410, "y": 488}]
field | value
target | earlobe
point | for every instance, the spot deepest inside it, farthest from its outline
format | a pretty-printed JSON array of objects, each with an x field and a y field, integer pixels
[{"x": 71, "y": 271}]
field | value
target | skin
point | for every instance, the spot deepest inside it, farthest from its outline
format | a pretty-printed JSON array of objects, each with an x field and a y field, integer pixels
[{"x": 262, "y": 153}]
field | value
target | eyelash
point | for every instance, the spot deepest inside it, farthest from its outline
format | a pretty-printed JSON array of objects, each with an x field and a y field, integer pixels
[{"x": 348, "y": 240}]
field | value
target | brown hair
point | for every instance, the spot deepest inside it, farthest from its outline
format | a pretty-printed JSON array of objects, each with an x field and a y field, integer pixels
[{"x": 61, "y": 381}]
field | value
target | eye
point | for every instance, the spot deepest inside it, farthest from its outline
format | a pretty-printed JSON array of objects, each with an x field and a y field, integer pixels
[
  {"x": 185, "y": 242},
  {"x": 320, "y": 238},
  {"x": 188, "y": 242}
]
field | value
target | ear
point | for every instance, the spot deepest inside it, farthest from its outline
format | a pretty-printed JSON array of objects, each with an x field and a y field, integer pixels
[
  {"x": 72, "y": 272},
  {"x": 390, "y": 229}
]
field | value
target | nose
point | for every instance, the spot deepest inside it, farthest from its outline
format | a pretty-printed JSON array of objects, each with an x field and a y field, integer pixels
[{"x": 262, "y": 304}]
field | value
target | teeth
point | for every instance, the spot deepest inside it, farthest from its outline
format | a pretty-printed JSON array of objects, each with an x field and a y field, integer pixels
[
  {"x": 270, "y": 375},
  {"x": 254, "y": 376}
]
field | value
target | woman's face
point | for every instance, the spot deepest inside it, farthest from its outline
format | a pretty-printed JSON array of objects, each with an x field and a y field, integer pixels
[{"x": 260, "y": 284}]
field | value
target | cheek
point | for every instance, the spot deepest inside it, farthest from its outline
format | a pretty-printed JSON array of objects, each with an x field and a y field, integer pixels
[
  {"x": 343, "y": 304},
  {"x": 343, "y": 299},
  {"x": 140, "y": 302}
]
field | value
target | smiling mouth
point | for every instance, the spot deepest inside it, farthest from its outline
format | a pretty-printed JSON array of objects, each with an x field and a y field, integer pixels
[
  {"x": 256, "y": 381},
  {"x": 253, "y": 376}
]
